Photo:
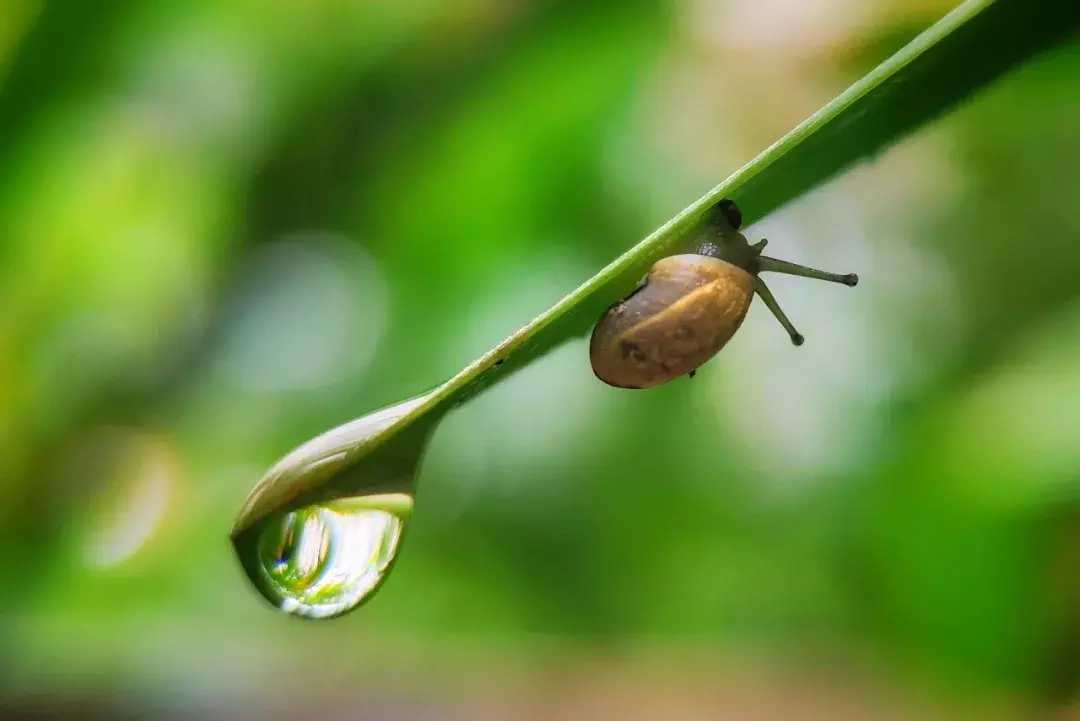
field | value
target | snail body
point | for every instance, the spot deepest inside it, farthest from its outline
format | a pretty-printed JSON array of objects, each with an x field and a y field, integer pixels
[{"x": 689, "y": 306}]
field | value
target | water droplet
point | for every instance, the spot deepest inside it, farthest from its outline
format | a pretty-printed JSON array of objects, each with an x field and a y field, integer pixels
[
  {"x": 323, "y": 560},
  {"x": 320, "y": 531}
]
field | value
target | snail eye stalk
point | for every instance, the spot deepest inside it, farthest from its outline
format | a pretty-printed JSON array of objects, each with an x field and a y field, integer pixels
[{"x": 773, "y": 265}]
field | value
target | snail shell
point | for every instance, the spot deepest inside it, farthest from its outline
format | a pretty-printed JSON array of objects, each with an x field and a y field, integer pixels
[{"x": 686, "y": 310}]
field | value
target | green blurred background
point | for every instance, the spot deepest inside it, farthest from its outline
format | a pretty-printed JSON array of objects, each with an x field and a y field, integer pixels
[{"x": 228, "y": 226}]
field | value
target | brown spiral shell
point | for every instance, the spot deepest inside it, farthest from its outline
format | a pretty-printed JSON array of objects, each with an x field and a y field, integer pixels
[{"x": 686, "y": 310}]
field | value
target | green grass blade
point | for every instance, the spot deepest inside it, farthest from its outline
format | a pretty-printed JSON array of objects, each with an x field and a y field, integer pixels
[{"x": 965, "y": 50}]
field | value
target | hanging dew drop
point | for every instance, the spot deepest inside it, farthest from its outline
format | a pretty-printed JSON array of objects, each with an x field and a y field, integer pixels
[
  {"x": 323, "y": 560},
  {"x": 320, "y": 532}
]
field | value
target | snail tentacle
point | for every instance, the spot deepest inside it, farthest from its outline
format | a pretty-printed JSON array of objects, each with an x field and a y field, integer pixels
[
  {"x": 775, "y": 265},
  {"x": 766, "y": 295}
]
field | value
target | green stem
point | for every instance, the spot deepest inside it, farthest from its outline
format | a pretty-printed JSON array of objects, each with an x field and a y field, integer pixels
[
  {"x": 966, "y": 49},
  {"x": 939, "y": 67}
]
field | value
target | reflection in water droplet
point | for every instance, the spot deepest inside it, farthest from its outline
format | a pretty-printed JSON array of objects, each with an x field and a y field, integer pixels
[{"x": 323, "y": 560}]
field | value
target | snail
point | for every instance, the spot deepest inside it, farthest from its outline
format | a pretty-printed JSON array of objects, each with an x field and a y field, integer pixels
[{"x": 689, "y": 306}]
